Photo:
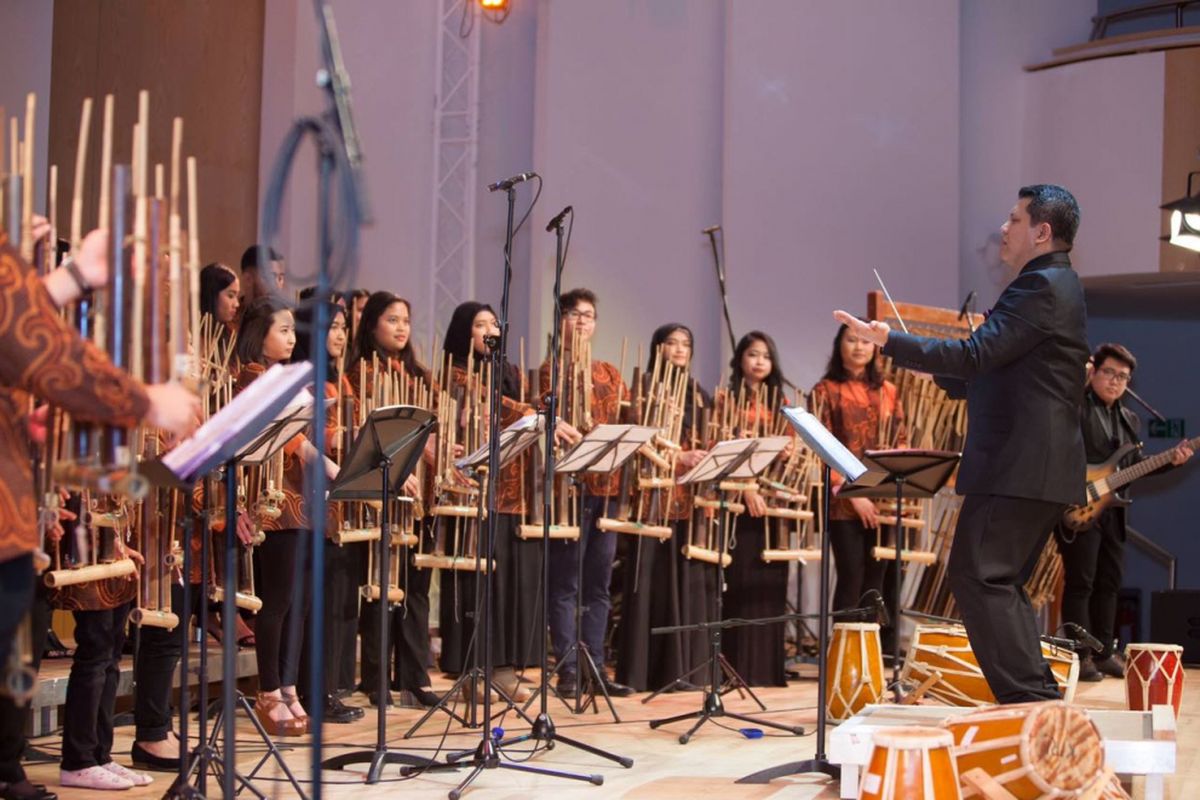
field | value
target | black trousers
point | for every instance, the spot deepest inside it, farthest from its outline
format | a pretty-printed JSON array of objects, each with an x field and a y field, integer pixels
[
  {"x": 857, "y": 569},
  {"x": 16, "y": 593},
  {"x": 279, "y": 630},
  {"x": 12, "y": 718},
  {"x": 1093, "y": 564},
  {"x": 342, "y": 579},
  {"x": 408, "y": 634},
  {"x": 155, "y": 661},
  {"x": 996, "y": 546},
  {"x": 92, "y": 687}
]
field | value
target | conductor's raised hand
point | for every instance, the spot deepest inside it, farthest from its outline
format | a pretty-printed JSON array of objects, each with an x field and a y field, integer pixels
[{"x": 874, "y": 331}]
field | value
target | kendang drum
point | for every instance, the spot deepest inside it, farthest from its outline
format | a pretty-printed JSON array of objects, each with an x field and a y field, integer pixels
[
  {"x": 911, "y": 763},
  {"x": 1153, "y": 675},
  {"x": 1034, "y": 750},
  {"x": 944, "y": 653},
  {"x": 855, "y": 676}
]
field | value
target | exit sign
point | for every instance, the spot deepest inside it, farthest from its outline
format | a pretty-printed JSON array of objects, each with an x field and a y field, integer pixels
[{"x": 1171, "y": 428}]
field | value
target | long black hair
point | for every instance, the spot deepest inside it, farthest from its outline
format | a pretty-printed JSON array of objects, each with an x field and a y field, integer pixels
[
  {"x": 774, "y": 381},
  {"x": 214, "y": 279},
  {"x": 458, "y": 344},
  {"x": 306, "y": 318},
  {"x": 836, "y": 370},
  {"x": 255, "y": 325},
  {"x": 657, "y": 340},
  {"x": 364, "y": 345}
]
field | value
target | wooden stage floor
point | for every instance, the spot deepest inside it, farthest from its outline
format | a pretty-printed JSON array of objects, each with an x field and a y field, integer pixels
[{"x": 663, "y": 769}]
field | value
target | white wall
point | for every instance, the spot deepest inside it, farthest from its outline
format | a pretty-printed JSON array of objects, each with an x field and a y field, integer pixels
[
  {"x": 997, "y": 40},
  {"x": 1096, "y": 127},
  {"x": 25, "y": 67},
  {"x": 841, "y": 138},
  {"x": 628, "y": 131}
]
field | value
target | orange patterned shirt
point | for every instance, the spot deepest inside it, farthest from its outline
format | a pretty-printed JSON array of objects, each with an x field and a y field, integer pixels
[
  {"x": 608, "y": 390},
  {"x": 46, "y": 359}
]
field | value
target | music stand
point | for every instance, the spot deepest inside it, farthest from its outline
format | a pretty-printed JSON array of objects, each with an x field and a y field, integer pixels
[
  {"x": 384, "y": 454},
  {"x": 833, "y": 455},
  {"x": 514, "y": 440},
  {"x": 735, "y": 459},
  {"x": 603, "y": 450},
  {"x": 913, "y": 474},
  {"x": 256, "y": 412}
]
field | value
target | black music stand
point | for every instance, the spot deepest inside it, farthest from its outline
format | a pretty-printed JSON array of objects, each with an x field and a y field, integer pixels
[
  {"x": 735, "y": 459},
  {"x": 256, "y": 414},
  {"x": 604, "y": 450},
  {"x": 913, "y": 474},
  {"x": 833, "y": 454},
  {"x": 514, "y": 440},
  {"x": 387, "y": 450}
]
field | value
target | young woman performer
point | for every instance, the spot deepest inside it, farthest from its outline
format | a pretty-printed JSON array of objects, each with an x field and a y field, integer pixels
[
  {"x": 266, "y": 337},
  {"x": 384, "y": 337},
  {"x": 516, "y": 582},
  {"x": 341, "y": 563},
  {"x": 660, "y": 586},
  {"x": 863, "y": 411},
  {"x": 755, "y": 588},
  {"x": 220, "y": 294}
]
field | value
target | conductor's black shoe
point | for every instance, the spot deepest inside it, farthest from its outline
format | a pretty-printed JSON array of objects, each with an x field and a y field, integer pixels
[
  {"x": 374, "y": 698},
  {"x": 1113, "y": 665},
  {"x": 567, "y": 687},
  {"x": 418, "y": 698},
  {"x": 615, "y": 689},
  {"x": 338, "y": 712},
  {"x": 1088, "y": 671}
]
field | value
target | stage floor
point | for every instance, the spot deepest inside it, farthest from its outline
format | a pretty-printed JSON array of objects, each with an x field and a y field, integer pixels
[{"x": 662, "y": 769}]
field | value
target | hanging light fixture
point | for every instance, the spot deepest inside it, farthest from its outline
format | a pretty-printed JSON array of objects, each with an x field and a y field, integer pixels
[{"x": 1185, "y": 218}]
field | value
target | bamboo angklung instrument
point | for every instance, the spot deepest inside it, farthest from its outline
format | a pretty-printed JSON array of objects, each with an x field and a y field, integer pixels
[{"x": 648, "y": 481}]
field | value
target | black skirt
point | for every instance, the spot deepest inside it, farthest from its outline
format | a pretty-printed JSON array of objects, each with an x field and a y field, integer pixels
[{"x": 755, "y": 589}]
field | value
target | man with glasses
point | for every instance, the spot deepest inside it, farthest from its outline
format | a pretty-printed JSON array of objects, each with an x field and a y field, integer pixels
[
  {"x": 606, "y": 391},
  {"x": 1093, "y": 559}
]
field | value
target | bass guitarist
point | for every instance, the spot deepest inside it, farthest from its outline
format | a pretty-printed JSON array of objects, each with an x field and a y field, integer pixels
[{"x": 1093, "y": 559}]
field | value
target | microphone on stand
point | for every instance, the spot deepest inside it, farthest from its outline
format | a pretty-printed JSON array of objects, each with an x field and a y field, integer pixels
[
  {"x": 508, "y": 183},
  {"x": 1081, "y": 635},
  {"x": 711, "y": 229},
  {"x": 873, "y": 601},
  {"x": 968, "y": 309},
  {"x": 558, "y": 219}
]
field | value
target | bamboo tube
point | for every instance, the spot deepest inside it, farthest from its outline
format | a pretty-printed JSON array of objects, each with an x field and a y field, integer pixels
[
  {"x": 27, "y": 179},
  {"x": 180, "y": 363},
  {"x": 193, "y": 257},
  {"x": 106, "y": 162},
  {"x": 51, "y": 250},
  {"x": 85, "y": 124},
  {"x": 95, "y": 572}
]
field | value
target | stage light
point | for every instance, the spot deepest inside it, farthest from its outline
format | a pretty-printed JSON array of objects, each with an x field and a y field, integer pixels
[
  {"x": 493, "y": 5},
  {"x": 1185, "y": 218}
]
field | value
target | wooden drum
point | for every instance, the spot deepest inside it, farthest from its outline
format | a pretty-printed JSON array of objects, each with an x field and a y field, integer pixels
[
  {"x": 1033, "y": 750},
  {"x": 943, "y": 651},
  {"x": 855, "y": 676},
  {"x": 1153, "y": 676},
  {"x": 911, "y": 763}
]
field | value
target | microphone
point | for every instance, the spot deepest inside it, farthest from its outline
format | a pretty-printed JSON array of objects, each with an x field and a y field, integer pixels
[
  {"x": 1080, "y": 634},
  {"x": 558, "y": 219},
  {"x": 711, "y": 229},
  {"x": 873, "y": 602},
  {"x": 966, "y": 306},
  {"x": 511, "y": 182}
]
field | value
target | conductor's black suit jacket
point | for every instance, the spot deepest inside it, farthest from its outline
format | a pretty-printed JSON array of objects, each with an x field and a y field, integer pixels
[{"x": 1022, "y": 373}]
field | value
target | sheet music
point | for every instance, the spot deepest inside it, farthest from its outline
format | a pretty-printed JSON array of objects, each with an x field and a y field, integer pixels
[
  {"x": 747, "y": 457},
  {"x": 824, "y": 443},
  {"x": 531, "y": 425},
  {"x": 279, "y": 381},
  {"x": 600, "y": 438}
]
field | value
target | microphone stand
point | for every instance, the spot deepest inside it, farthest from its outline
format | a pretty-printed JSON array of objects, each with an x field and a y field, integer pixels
[
  {"x": 487, "y": 753},
  {"x": 717, "y": 261},
  {"x": 543, "y": 726}
]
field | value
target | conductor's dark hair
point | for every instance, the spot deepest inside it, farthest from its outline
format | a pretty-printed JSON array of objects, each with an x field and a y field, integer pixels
[{"x": 1056, "y": 206}]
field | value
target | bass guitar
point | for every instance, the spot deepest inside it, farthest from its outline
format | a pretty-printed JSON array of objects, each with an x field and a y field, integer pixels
[{"x": 1105, "y": 480}]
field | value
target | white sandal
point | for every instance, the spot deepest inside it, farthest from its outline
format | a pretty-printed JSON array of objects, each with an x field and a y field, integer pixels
[
  {"x": 136, "y": 778},
  {"x": 93, "y": 778}
]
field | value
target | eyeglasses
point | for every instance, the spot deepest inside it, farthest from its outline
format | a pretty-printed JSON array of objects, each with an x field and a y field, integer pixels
[
  {"x": 584, "y": 316},
  {"x": 1113, "y": 375}
]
